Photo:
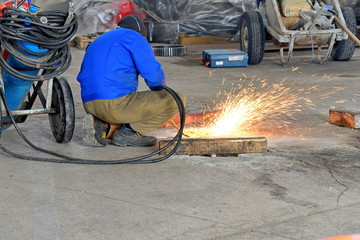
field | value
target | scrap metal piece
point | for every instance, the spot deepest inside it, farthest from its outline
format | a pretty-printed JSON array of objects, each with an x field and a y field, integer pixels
[
  {"x": 345, "y": 117},
  {"x": 171, "y": 50}
]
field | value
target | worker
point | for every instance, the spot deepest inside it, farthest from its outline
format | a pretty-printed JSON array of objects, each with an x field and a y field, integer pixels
[{"x": 109, "y": 81}]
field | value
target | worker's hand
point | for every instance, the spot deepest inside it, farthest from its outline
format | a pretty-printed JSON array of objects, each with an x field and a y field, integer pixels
[{"x": 157, "y": 88}]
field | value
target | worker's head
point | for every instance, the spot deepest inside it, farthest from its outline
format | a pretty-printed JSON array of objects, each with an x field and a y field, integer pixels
[{"x": 133, "y": 22}]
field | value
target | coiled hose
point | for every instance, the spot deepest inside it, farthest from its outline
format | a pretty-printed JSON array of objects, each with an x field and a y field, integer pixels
[{"x": 50, "y": 30}]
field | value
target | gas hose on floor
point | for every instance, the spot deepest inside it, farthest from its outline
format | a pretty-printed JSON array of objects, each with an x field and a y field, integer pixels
[{"x": 67, "y": 159}]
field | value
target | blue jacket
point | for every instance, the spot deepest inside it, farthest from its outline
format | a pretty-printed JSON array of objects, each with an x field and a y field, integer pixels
[{"x": 112, "y": 63}]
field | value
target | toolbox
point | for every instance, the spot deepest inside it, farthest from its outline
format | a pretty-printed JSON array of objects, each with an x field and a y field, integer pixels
[{"x": 223, "y": 58}]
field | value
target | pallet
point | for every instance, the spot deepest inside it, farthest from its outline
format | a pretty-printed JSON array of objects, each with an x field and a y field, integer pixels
[
  {"x": 217, "y": 146},
  {"x": 82, "y": 42},
  {"x": 185, "y": 39}
]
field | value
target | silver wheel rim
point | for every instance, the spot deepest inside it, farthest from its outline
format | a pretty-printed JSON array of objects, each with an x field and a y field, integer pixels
[{"x": 244, "y": 37}]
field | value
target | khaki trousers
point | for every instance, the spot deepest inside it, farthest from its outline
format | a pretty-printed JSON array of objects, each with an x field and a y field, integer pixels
[{"x": 144, "y": 111}]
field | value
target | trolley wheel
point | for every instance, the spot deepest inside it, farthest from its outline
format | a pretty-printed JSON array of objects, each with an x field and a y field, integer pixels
[
  {"x": 62, "y": 122},
  {"x": 344, "y": 50},
  {"x": 252, "y": 36}
]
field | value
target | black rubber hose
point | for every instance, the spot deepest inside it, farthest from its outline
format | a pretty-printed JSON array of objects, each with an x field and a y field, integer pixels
[
  {"x": 17, "y": 25},
  {"x": 20, "y": 3},
  {"x": 66, "y": 159}
]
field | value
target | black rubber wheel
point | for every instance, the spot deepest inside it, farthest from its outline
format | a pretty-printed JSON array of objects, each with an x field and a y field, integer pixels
[
  {"x": 252, "y": 36},
  {"x": 62, "y": 122},
  {"x": 344, "y": 50}
]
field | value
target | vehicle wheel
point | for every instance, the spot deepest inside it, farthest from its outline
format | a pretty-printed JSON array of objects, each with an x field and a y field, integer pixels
[
  {"x": 252, "y": 36},
  {"x": 343, "y": 50},
  {"x": 62, "y": 122}
]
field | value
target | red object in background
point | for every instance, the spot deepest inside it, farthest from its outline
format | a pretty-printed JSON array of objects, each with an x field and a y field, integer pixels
[
  {"x": 9, "y": 4},
  {"x": 129, "y": 8},
  {"x": 192, "y": 118}
]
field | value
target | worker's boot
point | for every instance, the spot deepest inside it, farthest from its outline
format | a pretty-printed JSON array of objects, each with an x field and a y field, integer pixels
[
  {"x": 95, "y": 131},
  {"x": 126, "y": 136},
  {"x": 101, "y": 131}
]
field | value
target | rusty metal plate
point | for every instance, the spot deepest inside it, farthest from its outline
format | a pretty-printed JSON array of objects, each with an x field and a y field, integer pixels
[
  {"x": 345, "y": 118},
  {"x": 218, "y": 146}
]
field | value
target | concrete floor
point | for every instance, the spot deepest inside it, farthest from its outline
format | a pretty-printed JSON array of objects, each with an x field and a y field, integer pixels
[{"x": 305, "y": 187}]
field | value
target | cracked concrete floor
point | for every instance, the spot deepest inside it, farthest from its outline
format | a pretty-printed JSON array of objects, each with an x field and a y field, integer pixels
[{"x": 305, "y": 187}]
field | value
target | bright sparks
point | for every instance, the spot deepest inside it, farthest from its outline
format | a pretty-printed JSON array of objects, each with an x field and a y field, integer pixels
[{"x": 251, "y": 102}]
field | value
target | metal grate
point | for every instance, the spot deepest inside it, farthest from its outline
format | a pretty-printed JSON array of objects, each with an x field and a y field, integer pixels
[{"x": 171, "y": 50}]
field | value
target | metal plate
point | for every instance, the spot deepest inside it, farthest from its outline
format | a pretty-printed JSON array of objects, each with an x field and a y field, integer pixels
[{"x": 218, "y": 146}]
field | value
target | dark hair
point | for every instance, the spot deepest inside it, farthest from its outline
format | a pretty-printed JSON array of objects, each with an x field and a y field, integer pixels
[{"x": 133, "y": 22}]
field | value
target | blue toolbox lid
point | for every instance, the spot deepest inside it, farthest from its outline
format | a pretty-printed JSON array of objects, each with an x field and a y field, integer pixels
[{"x": 225, "y": 58}]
